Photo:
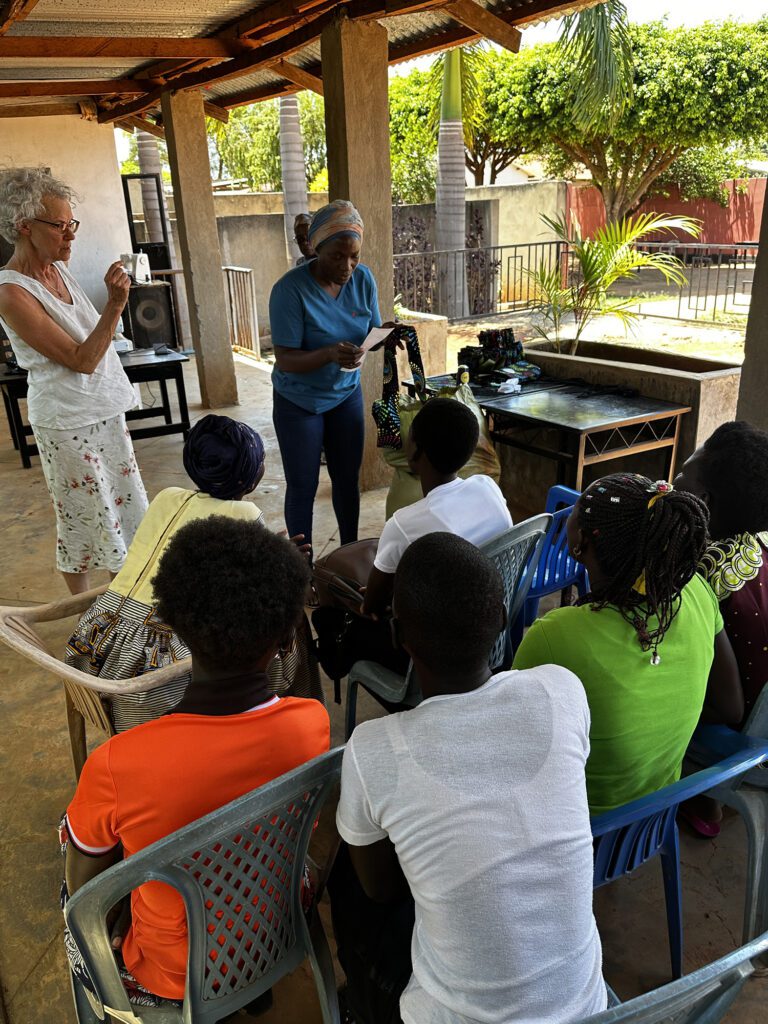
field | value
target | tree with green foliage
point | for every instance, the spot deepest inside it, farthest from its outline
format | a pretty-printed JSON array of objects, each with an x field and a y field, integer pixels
[
  {"x": 413, "y": 138},
  {"x": 691, "y": 87},
  {"x": 249, "y": 144},
  {"x": 700, "y": 173}
]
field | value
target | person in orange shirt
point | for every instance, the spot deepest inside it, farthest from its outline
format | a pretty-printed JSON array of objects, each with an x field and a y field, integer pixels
[{"x": 233, "y": 592}]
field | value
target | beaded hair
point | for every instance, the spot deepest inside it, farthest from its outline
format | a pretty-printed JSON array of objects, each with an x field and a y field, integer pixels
[{"x": 648, "y": 539}]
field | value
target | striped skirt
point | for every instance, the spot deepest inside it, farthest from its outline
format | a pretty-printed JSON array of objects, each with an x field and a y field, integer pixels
[{"x": 119, "y": 638}]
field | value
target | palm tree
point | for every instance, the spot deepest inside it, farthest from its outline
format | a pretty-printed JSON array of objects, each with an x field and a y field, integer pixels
[
  {"x": 596, "y": 44},
  {"x": 450, "y": 208},
  {"x": 293, "y": 169}
]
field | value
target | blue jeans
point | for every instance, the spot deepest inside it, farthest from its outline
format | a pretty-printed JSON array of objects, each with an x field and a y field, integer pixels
[{"x": 302, "y": 435}]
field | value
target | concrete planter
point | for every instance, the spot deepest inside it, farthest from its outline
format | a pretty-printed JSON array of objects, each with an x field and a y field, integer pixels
[
  {"x": 708, "y": 386},
  {"x": 433, "y": 342}
]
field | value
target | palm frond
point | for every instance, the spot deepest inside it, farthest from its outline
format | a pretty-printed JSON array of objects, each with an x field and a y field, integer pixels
[
  {"x": 596, "y": 47},
  {"x": 615, "y": 253}
]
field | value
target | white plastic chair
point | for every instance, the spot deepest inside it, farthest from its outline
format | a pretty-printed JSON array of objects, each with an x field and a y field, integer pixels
[
  {"x": 82, "y": 691},
  {"x": 747, "y": 795},
  {"x": 239, "y": 871},
  {"x": 703, "y": 997},
  {"x": 515, "y": 554}
]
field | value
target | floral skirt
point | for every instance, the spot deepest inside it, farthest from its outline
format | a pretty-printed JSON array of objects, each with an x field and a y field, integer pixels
[{"x": 97, "y": 491}]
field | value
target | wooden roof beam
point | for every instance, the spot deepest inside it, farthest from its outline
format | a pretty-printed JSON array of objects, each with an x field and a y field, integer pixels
[
  {"x": 120, "y": 111},
  {"x": 120, "y": 47},
  {"x": 264, "y": 92},
  {"x": 216, "y": 112},
  {"x": 38, "y": 109},
  {"x": 486, "y": 24},
  {"x": 79, "y": 87},
  {"x": 143, "y": 124},
  {"x": 304, "y": 79},
  {"x": 12, "y": 11}
]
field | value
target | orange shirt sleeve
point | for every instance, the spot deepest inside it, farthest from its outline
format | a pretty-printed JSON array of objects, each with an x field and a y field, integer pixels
[{"x": 92, "y": 814}]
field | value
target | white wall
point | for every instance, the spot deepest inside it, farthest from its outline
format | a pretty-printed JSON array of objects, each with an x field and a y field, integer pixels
[{"x": 81, "y": 153}]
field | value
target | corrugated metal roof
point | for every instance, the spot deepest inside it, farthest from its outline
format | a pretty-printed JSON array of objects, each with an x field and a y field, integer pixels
[
  {"x": 182, "y": 19},
  {"x": 136, "y": 17}
]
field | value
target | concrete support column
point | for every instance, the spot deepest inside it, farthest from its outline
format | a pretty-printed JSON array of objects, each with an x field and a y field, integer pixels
[
  {"x": 754, "y": 373},
  {"x": 355, "y": 83},
  {"x": 184, "y": 122}
]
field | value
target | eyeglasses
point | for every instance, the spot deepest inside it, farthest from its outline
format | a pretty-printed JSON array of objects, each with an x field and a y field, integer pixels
[{"x": 60, "y": 225}]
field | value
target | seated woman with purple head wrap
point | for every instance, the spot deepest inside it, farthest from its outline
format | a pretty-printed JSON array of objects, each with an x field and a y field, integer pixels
[
  {"x": 120, "y": 635},
  {"x": 320, "y": 313}
]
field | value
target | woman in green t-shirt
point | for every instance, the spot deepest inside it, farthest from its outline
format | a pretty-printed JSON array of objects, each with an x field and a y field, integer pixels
[{"x": 647, "y": 642}]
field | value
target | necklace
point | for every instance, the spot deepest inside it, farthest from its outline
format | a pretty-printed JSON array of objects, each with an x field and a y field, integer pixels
[{"x": 57, "y": 287}]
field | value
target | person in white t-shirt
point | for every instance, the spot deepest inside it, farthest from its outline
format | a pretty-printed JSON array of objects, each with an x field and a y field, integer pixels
[
  {"x": 476, "y": 802},
  {"x": 441, "y": 441}
]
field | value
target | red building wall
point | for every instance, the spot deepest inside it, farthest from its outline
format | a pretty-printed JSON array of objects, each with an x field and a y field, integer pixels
[{"x": 733, "y": 224}]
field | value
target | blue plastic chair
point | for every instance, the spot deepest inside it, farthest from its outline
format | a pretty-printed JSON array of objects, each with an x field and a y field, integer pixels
[
  {"x": 239, "y": 871},
  {"x": 748, "y": 795},
  {"x": 703, "y": 997},
  {"x": 628, "y": 836},
  {"x": 515, "y": 554},
  {"x": 556, "y": 569}
]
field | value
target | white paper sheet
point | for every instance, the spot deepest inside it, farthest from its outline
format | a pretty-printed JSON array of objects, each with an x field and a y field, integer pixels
[{"x": 375, "y": 337}]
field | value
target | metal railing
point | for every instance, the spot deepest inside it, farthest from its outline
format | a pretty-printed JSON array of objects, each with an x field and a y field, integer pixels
[
  {"x": 241, "y": 309},
  {"x": 466, "y": 283},
  {"x": 718, "y": 284}
]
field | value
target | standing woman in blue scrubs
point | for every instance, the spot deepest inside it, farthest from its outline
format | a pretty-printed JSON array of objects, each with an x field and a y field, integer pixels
[{"x": 320, "y": 313}]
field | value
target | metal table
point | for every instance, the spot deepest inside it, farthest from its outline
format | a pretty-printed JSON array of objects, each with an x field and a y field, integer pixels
[
  {"x": 592, "y": 424},
  {"x": 141, "y": 366}
]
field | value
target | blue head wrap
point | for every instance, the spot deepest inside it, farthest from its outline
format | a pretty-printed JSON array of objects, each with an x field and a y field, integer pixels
[{"x": 223, "y": 457}]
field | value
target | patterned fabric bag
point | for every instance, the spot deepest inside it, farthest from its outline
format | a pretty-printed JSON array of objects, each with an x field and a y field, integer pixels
[{"x": 386, "y": 410}]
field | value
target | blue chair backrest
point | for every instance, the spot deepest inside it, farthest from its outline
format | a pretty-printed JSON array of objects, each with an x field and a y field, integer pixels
[
  {"x": 515, "y": 553},
  {"x": 559, "y": 497},
  {"x": 702, "y": 997},
  {"x": 239, "y": 871},
  {"x": 628, "y": 836},
  {"x": 556, "y": 569}
]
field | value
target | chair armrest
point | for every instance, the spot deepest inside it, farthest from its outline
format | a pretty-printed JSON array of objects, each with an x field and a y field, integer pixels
[
  {"x": 86, "y": 916},
  {"x": 753, "y": 753},
  {"x": 75, "y": 604},
  {"x": 757, "y": 723}
]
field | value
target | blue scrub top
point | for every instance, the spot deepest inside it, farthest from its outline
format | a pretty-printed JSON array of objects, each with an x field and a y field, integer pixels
[{"x": 303, "y": 315}]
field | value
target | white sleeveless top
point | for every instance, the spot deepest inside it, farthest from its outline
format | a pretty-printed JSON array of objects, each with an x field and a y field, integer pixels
[{"x": 57, "y": 396}]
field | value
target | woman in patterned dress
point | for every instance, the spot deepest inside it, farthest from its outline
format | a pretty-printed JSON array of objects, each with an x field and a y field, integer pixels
[
  {"x": 729, "y": 472},
  {"x": 78, "y": 392}
]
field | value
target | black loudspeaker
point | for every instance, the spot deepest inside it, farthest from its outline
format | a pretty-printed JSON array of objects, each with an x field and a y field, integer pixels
[
  {"x": 158, "y": 253},
  {"x": 148, "y": 318}
]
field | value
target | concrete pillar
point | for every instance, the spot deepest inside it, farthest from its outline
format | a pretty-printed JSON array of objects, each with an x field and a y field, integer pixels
[
  {"x": 355, "y": 85},
  {"x": 754, "y": 373},
  {"x": 184, "y": 122}
]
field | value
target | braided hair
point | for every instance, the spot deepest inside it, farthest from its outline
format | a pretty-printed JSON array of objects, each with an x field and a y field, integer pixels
[{"x": 648, "y": 539}]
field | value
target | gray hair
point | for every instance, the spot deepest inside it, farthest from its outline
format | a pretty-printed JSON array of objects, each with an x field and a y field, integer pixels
[{"x": 22, "y": 191}]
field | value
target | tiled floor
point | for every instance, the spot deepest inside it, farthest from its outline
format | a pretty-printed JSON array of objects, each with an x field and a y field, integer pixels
[{"x": 38, "y": 779}]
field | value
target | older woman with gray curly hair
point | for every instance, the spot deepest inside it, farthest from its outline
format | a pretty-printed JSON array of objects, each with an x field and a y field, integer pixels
[{"x": 78, "y": 391}]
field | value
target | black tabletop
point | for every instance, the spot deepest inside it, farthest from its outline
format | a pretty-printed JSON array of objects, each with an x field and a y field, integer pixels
[
  {"x": 571, "y": 406},
  {"x": 148, "y": 356},
  {"x": 139, "y": 357}
]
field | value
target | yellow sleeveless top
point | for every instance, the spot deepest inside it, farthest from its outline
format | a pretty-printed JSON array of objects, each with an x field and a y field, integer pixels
[{"x": 168, "y": 512}]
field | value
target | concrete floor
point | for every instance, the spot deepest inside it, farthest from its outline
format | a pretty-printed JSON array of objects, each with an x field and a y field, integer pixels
[{"x": 38, "y": 778}]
